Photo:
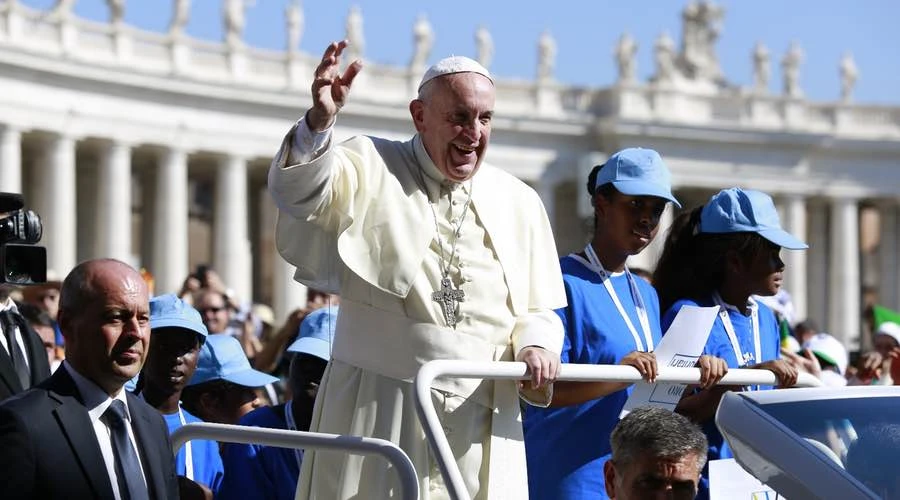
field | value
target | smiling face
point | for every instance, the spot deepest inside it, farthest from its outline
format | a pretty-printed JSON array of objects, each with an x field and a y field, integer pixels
[
  {"x": 627, "y": 223},
  {"x": 453, "y": 117},
  {"x": 107, "y": 327},
  {"x": 172, "y": 359}
]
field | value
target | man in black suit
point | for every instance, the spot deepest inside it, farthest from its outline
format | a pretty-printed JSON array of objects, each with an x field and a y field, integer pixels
[
  {"x": 79, "y": 434},
  {"x": 23, "y": 360}
]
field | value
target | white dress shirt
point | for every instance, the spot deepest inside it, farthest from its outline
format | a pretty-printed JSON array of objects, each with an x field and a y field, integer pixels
[{"x": 96, "y": 400}]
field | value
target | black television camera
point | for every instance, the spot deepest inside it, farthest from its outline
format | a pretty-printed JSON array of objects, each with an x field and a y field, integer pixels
[{"x": 21, "y": 262}]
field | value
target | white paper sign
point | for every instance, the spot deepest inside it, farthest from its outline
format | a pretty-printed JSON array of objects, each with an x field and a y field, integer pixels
[
  {"x": 729, "y": 481},
  {"x": 681, "y": 346}
]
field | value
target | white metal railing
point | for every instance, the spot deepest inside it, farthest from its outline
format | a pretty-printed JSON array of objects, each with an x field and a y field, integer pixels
[
  {"x": 299, "y": 439},
  {"x": 568, "y": 372}
]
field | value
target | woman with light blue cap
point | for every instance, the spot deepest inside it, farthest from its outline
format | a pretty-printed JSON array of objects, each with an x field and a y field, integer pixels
[
  {"x": 721, "y": 254},
  {"x": 612, "y": 318}
]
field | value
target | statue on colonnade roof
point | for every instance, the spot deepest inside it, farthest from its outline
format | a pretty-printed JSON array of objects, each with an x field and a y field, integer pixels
[{"x": 701, "y": 26}]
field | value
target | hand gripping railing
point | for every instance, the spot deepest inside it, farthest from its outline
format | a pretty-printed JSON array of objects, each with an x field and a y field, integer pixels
[
  {"x": 299, "y": 439},
  {"x": 569, "y": 372}
]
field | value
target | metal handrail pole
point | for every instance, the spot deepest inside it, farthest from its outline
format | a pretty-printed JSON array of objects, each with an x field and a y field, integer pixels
[
  {"x": 508, "y": 370},
  {"x": 300, "y": 439}
]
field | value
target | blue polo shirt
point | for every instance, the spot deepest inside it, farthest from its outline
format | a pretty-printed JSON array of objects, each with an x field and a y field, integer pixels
[
  {"x": 567, "y": 447},
  {"x": 255, "y": 471},
  {"x": 720, "y": 345},
  {"x": 208, "y": 469}
]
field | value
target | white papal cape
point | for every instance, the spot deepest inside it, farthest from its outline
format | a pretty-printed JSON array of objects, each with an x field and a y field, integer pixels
[{"x": 356, "y": 220}]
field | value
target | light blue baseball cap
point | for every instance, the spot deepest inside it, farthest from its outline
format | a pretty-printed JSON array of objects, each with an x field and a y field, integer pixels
[
  {"x": 222, "y": 357},
  {"x": 638, "y": 172},
  {"x": 737, "y": 210},
  {"x": 168, "y": 311},
  {"x": 316, "y": 333}
]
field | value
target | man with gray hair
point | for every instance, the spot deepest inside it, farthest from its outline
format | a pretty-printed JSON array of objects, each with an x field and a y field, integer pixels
[{"x": 655, "y": 454}]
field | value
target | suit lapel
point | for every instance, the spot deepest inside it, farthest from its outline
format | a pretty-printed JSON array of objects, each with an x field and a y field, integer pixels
[
  {"x": 37, "y": 355},
  {"x": 142, "y": 425},
  {"x": 7, "y": 374},
  {"x": 72, "y": 416}
]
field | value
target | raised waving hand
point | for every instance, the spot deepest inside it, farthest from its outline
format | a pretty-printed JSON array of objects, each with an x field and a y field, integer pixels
[{"x": 330, "y": 88}]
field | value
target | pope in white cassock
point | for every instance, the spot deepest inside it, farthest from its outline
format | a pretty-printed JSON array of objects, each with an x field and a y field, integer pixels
[{"x": 436, "y": 255}]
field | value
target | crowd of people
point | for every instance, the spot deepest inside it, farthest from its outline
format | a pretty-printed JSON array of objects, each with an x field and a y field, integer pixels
[{"x": 424, "y": 252}]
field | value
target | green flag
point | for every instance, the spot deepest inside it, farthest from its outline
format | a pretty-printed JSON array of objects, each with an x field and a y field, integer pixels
[{"x": 885, "y": 315}]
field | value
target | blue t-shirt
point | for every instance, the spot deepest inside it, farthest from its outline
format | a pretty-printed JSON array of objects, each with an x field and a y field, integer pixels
[
  {"x": 567, "y": 447},
  {"x": 260, "y": 472},
  {"x": 718, "y": 344},
  {"x": 208, "y": 469}
]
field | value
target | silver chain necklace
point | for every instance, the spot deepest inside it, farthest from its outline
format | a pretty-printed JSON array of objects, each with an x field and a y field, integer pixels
[{"x": 447, "y": 296}]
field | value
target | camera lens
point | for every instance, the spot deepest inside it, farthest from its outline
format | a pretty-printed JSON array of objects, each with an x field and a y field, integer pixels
[{"x": 32, "y": 226}]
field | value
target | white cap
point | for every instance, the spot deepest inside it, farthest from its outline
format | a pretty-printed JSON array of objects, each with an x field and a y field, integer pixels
[
  {"x": 454, "y": 64},
  {"x": 828, "y": 348},
  {"x": 890, "y": 329}
]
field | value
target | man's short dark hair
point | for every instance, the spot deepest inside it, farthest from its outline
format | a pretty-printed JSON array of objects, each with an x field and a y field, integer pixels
[{"x": 658, "y": 433}]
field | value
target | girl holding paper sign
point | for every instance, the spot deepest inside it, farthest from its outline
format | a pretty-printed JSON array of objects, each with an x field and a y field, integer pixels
[
  {"x": 721, "y": 254},
  {"x": 612, "y": 318}
]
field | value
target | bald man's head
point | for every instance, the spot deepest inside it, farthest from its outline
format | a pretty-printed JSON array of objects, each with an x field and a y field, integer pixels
[{"x": 104, "y": 316}]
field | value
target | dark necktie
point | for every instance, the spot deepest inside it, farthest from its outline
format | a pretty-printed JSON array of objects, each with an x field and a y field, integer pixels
[
  {"x": 10, "y": 321},
  {"x": 128, "y": 469}
]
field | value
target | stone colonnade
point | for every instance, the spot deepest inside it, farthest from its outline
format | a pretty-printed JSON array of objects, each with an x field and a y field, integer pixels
[{"x": 86, "y": 216}]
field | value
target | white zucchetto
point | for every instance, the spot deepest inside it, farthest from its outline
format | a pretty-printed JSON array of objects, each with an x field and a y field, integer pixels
[{"x": 454, "y": 64}]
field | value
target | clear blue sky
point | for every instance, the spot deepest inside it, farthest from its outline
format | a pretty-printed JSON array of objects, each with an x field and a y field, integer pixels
[{"x": 585, "y": 32}]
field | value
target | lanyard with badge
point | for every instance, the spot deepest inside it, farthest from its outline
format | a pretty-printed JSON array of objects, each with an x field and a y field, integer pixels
[
  {"x": 732, "y": 335},
  {"x": 635, "y": 295},
  {"x": 292, "y": 425},
  {"x": 188, "y": 456}
]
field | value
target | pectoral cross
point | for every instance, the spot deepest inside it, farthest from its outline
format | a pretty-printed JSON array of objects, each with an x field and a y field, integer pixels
[{"x": 449, "y": 299}]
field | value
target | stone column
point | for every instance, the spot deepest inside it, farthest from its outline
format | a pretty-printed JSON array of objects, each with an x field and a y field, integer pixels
[
  {"x": 287, "y": 295},
  {"x": 10, "y": 160},
  {"x": 114, "y": 202},
  {"x": 170, "y": 221},
  {"x": 54, "y": 187},
  {"x": 817, "y": 266},
  {"x": 795, "y": 276},
  {"x": 889, "y": 271},
  {"x": 844, "y": 286},
  {"x": 231, "y": 247}
]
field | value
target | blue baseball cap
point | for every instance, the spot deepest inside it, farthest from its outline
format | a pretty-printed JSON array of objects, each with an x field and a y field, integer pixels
[
  {"x": 316, "y": 332},
  {"x": 737, "y": 210},
  {"x": 168, "y": 311},
  {"x": 638, "y": 172},
  {"x": 222, "y": 357}
]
